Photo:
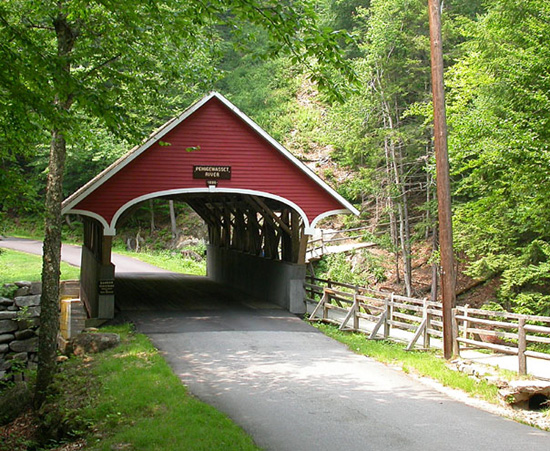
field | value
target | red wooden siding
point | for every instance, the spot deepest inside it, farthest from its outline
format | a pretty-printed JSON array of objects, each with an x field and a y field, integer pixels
[{"x": 223, "y": 139}]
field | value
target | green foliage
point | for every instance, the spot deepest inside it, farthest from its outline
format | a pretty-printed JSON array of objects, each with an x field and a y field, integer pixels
[
  {"x": 499, "y": 141},
  {"x": 15, "y": 398},
  {"x": 361, "y": 268},
  {"x": 525, "y": 278}
]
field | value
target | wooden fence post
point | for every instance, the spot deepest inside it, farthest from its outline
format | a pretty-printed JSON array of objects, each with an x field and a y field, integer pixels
[
  {"x": 426, "y": 317},
  {"x": 320, "y": 304},
  {"x": 388, "y": 315},
  {"x": 325, "y": 309},
  {"x": 355, "y": 312},
  {"x": 455, "y": 343},
  {"x": 522, "y": 345},
  {"x": 466, "y": 324}
]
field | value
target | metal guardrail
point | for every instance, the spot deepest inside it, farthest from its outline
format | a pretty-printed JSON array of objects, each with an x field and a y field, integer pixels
[{"x": 348, "y": 305}]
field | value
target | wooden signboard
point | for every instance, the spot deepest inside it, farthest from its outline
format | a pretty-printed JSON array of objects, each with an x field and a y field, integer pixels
[{"x": 212, "y": 172}]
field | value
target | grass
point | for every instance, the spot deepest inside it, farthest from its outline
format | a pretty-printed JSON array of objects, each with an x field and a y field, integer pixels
[
  {"x": 129, "y": 398},
  {"x": 16, "y": 266},
  {"x": 422, "y": 363},
  {"x": 142, "y": 405},
  {"x": 169, "y": 260}
]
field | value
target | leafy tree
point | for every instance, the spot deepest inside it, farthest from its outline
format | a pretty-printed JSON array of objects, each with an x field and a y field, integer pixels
[
  {"x": 499, "y": 140},
  {"x": 376, "y": 131},
  {"x": 115, "y": 63}
]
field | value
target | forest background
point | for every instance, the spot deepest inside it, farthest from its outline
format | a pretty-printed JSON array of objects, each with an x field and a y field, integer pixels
[{"x": 375, "y": 144}]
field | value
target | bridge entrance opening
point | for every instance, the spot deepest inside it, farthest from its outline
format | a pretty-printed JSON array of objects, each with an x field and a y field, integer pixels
[{"x": 258, "y": 201}]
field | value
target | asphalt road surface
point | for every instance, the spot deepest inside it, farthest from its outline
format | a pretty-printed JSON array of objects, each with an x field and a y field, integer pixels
[
  {"x": 294, "y": 389},
  {"x": 291, "y": 387}
]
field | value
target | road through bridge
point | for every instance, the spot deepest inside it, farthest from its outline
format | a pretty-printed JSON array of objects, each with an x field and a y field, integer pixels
[
  {"x": 294, "y": 389},
  {"x": 288, "y": 385}
]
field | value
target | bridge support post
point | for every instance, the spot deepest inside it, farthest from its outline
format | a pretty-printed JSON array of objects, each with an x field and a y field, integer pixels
[{"x": 97, "y": 273}]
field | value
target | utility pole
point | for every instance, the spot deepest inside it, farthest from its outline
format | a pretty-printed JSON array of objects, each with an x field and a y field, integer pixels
[{"x": 443, "y": 179}]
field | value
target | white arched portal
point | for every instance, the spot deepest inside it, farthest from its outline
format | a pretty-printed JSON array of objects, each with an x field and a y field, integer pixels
[{"x": 110, "y": 228}]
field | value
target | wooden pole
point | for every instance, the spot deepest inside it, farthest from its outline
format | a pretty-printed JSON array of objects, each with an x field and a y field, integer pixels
[
  {"x": 522, "y": 346},
  {"x": 443, "y": 179}
]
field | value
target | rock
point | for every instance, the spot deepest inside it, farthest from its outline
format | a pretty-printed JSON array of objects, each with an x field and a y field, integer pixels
[
  {"x": 27, "y": 301},
  {"x": 12, "y": 308},
  {"x": 5, "y": 301},
  {"x": 7, "y": 325},
  {"x": 190, "y": 254},
  {"x": 24, "y": 334},
  {"x": 4, "y": 348},
  {"x": 36, "y": 288},
  {"x": 33, "y": 312},
  {"x": 21, "y": 356},
  {"x": 23, "y": 283},
  {"x": 8, "y": 315},
  {"x": 6, "y": 338},
  {"x": 23, "y": 291},
  {"x": 30, "y": 345},
  {"x": 29, "y": 323},
  {"x": 520, "y": 392},
  {"x": 91, "y": 343}
]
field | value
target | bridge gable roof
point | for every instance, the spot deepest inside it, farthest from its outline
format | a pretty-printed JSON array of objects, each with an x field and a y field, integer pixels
[{"x": 212, "y": 132}]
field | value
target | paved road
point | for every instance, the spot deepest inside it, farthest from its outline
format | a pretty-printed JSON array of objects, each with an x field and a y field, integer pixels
[
  {"x": 71, "y": 254},
  {"x": 294, "y": 389},
  {"x": 291, "y": 387}
]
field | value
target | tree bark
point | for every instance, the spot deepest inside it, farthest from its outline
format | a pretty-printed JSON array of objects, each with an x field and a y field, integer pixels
[
  {"x": 49, "y": 301},
  {"x": 51, "y": 262}
]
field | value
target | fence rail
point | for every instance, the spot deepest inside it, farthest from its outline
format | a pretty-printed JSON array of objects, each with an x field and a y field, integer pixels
[
  {"x": 317, "y": 247},
  {"x": 376, "y": 312}
]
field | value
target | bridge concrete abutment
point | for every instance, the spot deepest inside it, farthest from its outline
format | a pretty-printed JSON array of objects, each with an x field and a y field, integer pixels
[{"x": 274, "y": 281}]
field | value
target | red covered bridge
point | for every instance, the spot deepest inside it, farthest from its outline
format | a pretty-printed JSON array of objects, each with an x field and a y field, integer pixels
[{"x": 259, "y": 202}]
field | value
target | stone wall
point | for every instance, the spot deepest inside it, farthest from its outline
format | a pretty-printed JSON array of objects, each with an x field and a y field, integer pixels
[{"x": 19, "y": 328}]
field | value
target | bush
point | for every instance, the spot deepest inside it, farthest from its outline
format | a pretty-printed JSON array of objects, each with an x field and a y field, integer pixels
[{"x": 14, "y": 400}]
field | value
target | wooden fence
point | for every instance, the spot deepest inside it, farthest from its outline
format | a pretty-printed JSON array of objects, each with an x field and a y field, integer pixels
[
  {"x": 377, "y": 313},
  {"x": 317, "y": 248}
]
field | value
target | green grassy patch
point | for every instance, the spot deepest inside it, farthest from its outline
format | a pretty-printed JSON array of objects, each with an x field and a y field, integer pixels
[
  {"x": 16, "y": 266},
  {"x": 142, "y": 405},
  {"x": 169, "y": 260},
  {"x": 129, "y": 398},
  {"x": 422, "y": 363}
]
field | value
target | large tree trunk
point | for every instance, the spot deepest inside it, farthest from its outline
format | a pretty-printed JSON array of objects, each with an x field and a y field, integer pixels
[
  {"x": 49, "y": 316},
  {"x": 49, "y": 313}
]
